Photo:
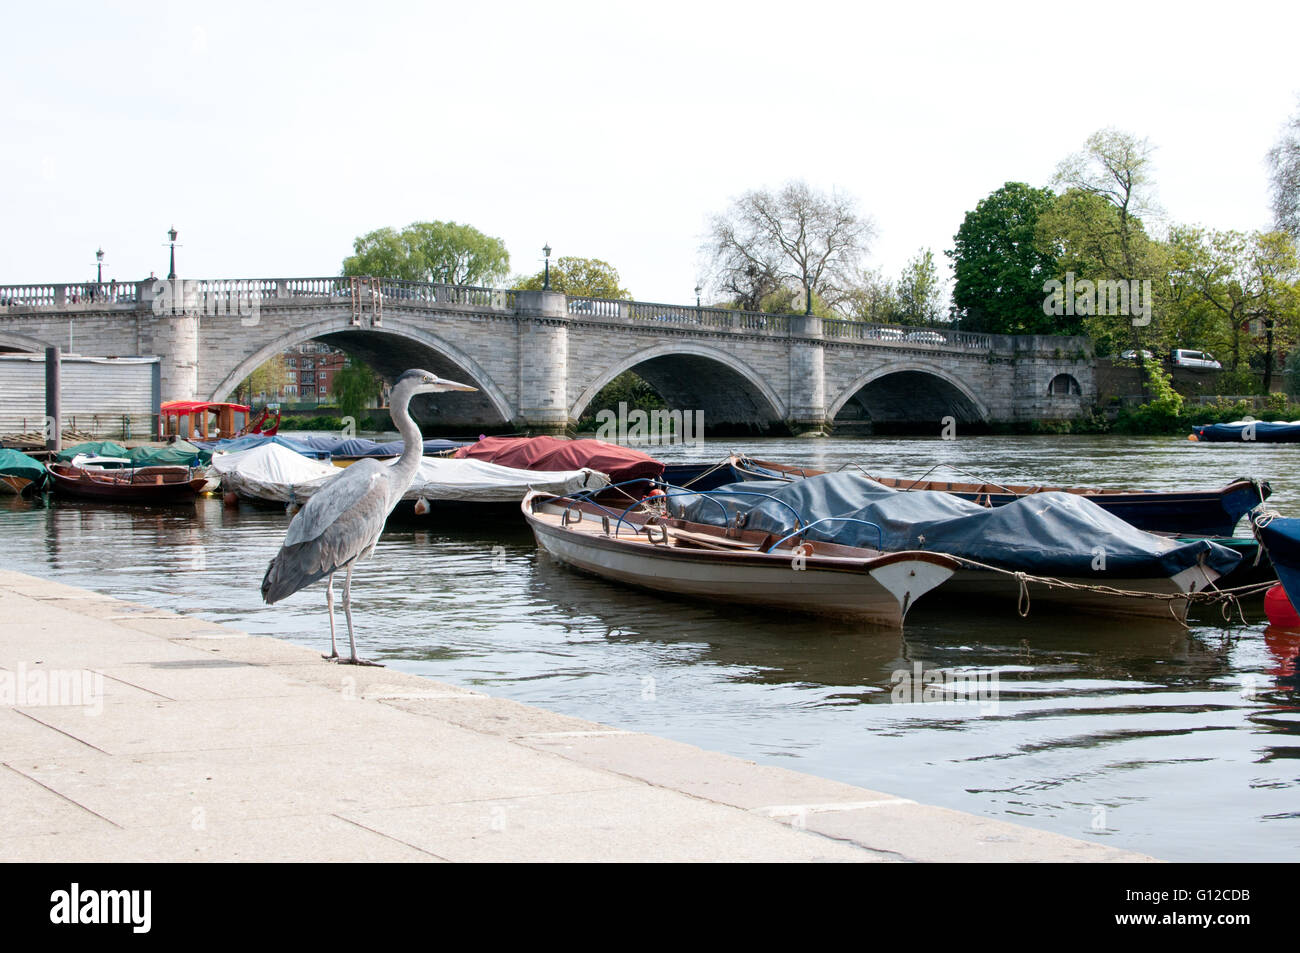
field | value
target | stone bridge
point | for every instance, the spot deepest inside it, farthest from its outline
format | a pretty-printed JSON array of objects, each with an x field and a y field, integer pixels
[{"x": 539, "y": 357}]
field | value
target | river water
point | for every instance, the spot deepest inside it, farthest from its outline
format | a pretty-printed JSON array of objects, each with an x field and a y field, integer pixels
[{"x": 1183, "y": 744}]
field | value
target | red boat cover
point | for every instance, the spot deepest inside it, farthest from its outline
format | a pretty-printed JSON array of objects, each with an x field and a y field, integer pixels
[{"x": 555, "y": 453}]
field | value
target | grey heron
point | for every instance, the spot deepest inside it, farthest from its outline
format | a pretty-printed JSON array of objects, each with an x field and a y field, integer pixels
[{"x": 341, "y": 523}]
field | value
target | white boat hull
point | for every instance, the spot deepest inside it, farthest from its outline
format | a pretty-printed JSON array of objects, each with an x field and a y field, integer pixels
[{"x": 877, "y": 591}]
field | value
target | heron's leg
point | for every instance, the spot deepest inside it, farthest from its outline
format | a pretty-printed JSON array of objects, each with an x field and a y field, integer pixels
[
  {"x": 347, "y": 611},
  {"x": 329, "y": 602}
]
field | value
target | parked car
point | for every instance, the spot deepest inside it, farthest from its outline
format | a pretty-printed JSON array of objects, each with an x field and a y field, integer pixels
[
  {"x": 1147, "y": 356},
  {"x": 888, "y": 334},
  {"x": 1194, "y": 360},
  {"x": 927, "y": 337}
]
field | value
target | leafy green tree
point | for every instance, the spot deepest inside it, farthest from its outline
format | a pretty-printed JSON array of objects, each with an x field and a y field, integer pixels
[
  {"x": 627, "y": 388},
  {"x": 430, "y": 251},
  {"x": 1093, "y": 243},
  {"x": 872, "y": 298},
  {"x": 387, "y": 253},
  {"x": 919, "y": 290},
  {"x": 356, "y": 387},
  {"x": 1109, "y": 186},
  {"x": 268, "y": 379},
  {"x": 580, "y": 277},
  {"x": 999, "y": 267}
]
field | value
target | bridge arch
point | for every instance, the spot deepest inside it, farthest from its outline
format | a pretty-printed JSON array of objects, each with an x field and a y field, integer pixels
[
  {"x": 21, "y": 342},
  {"x": 909, "y": 393},
  {"x": 376, "y": 347},
  {"x": 677, "y": 371}
]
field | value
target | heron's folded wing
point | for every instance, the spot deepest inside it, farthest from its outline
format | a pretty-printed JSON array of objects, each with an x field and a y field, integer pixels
[
  {"x": 362, "y": 487},
  {"x": 335, "y": 527}
]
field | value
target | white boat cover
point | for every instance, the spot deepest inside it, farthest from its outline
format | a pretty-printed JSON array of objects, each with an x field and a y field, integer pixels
[{"x": 275, "y": 473}]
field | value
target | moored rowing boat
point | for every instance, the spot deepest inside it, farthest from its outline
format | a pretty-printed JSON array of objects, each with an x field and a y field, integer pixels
[
  {"x": 691, "y": 559},
  {"x": 140, "y": 485}
]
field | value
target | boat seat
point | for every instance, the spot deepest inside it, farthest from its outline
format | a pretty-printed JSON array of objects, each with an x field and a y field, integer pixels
[{"x": 707, "y": 541}]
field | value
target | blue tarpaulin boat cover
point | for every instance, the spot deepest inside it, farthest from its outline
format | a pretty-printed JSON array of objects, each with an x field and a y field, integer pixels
[
  {"x": 321, "y": 446},
  {"x": 1047, "y": 534},
  {"x": 259, "y": 440}
]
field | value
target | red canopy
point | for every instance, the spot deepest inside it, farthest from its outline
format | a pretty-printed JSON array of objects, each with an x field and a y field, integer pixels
[
  {"x": 184, "y": 408},
  {"x": 555, "y": 453}
]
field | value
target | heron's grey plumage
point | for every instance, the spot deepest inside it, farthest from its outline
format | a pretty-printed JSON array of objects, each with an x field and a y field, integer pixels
[
  {"x": 338, "y": 525},
  {"x": 341, "y": 523}
]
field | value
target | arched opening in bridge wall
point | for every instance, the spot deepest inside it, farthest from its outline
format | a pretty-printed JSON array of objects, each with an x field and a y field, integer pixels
[
  {"x": 908, "y": 402},
  {"x": 714, "y": 388},
  {"x": 20, "y": 344},
  {"x": 389, "y": 355}
]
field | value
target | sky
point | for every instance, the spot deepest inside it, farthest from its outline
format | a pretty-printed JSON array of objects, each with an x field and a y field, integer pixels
[{"x": 271, "y": 135}]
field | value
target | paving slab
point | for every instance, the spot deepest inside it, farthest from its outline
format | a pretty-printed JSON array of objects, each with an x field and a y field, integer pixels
[{"x": 208, "y": 744}]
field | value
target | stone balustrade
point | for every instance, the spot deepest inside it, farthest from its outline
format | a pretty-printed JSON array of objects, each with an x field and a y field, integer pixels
[{"x": 222, "y": 294}]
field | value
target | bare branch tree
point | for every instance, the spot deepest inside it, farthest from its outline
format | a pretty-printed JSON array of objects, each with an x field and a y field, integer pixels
[
  {"x": 796, "y": 238},
  {"x": 1284, "y": 180}
]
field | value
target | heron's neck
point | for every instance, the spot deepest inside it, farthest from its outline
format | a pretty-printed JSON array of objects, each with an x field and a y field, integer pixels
[{"x": 412, "y": 445}]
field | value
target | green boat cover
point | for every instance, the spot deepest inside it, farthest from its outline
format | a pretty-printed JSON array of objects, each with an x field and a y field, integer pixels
[
  {"x": 15, "y": 463},
  {"x": 181, "y": 453},
  {"x": 95, "y": 448}
]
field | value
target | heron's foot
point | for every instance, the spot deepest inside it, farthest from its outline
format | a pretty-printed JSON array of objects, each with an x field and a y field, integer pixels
[
  {"x": 332, "y": 657},
  {"x": 355, "y": 661}
]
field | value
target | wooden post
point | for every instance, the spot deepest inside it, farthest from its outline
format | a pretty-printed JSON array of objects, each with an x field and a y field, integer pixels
[{"x": 53, "y": 400}]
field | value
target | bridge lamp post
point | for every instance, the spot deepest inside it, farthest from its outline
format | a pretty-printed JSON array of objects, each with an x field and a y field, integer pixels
[
  {"x": 99, "y": 265},
  {"x": 807, "y": 294},
  {"x": 546, "y": 279},
  {"x": 697, "y": 297},
  {"x": 171, "y": 233}
]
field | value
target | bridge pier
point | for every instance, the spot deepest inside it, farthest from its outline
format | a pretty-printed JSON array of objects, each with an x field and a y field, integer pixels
[
  {"x": 807, "y": 413},
  {"x": 543, "y": 323}
]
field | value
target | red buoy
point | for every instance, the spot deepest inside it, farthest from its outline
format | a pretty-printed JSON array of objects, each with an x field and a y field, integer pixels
[{"x": 1279, "y": 610}]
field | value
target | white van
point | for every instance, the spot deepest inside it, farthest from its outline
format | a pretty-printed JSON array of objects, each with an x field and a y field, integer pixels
[{"x": 1194, "y": 360}]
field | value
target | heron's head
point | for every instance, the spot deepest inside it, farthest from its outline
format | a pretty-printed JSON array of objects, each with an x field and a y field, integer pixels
[{"x": 425, "y": 382}]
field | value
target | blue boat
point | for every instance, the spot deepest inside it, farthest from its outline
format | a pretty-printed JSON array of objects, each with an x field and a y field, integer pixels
[
  {"x": 1281, "y": 537},
  {"x": 1249, "y": 431}
]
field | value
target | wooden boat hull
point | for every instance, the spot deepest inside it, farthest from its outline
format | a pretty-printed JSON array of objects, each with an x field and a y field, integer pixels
[
  {"x": 13, "y": 485},
  {"x": 1181, "y": 512},
  {"x": 876, "y": 588},
  {"x": 144, "y": 485}
]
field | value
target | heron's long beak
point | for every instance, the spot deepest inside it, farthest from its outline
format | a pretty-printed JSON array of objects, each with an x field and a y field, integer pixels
[{"x": 443, "y": 384}]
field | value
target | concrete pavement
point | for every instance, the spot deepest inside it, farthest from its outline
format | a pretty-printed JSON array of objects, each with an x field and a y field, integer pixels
[{"x": 129, "y": 733}]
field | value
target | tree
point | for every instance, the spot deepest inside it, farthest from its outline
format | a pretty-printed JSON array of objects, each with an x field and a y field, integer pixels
[
  {"x": 1114, "y": 168},
  {"x": 430, "y": 251},
  {"x": 581, "y": 277},
  {"x": 919, "y": 290},
  {"x": 1251, "y": 281},
  {"x": 267, "y": 380},
  {"x": 355, "y": 387},
  {"x": 872, "y": 298},
  {"x": 797, "y": 238},
  {"x": 999, "y": 267},
  {"x": 1284, "y": 178}
]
